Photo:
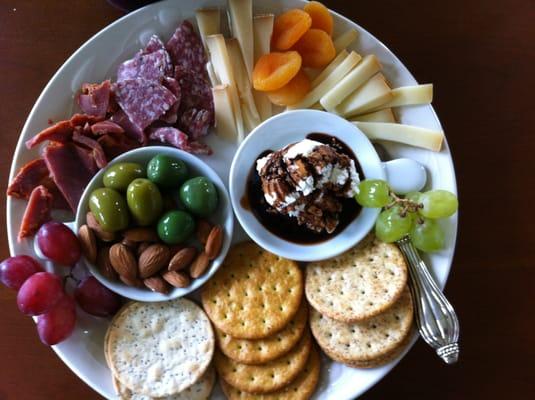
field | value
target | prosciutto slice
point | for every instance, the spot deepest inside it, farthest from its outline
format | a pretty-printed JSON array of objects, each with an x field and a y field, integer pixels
[
  {"x": 94, "y": 98},
  {"x": 94, "y": 146},
  {"x": 37, "y": 212}
]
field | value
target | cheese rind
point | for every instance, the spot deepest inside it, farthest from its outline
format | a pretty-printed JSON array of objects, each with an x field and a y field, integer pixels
[
  {"x": 329, "y": 68},
  {"x": 406, "y": 134},
  {"x": 224, "y": 117},
  {"x": 345, "y": 39},
  {"x": 410, "y": 96},
  {"x": 241, "y": 19},
  {"x": 384, "y": 115},
  {"x": 372, "y": 94}
]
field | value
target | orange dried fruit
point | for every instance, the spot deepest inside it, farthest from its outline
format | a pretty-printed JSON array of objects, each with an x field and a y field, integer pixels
[
  {"x": 289, "y": 27},
  {"x": 292, "y": 92},
  {"x": 316, "y": 48},
  {"x": 274, "y": 70},
  {"x": 321, "y": 17}
]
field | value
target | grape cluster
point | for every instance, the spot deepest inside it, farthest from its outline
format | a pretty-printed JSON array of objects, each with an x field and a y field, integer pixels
[
  {"x": 42, "y": 294},
  {"x": 415, "y": 214}
]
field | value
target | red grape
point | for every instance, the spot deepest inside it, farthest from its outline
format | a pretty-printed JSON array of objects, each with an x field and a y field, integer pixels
[
  {"x": 95, "y": 298},
  {"x": 59, "y": 243},
  {"x": 39, "y": 293},
  {"x": 58, "y": 323},
  {"x": 15, "y": 270}
]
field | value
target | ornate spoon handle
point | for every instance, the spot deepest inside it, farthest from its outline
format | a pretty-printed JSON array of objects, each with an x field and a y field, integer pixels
[{"x": 436, "y": 319}]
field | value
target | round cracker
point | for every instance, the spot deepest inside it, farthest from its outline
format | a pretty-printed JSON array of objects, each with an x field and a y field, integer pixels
[
  {"x": 254, "y": 293},
  {"x": 358, "y": 284},
  {"x": 267, "y": 377},
  {"x": 366, "y": 343},
  {"x": 160, "y": 349},
  {"x": 260, "y": 351},
  {"x": 301, "y": 388}
]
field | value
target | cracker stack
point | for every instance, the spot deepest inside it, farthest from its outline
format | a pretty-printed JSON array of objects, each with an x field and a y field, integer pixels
[
  {"x": 265, "y": 351},
  {"x": 362, "y": 310},
  {"x": 161, "y": 350}
]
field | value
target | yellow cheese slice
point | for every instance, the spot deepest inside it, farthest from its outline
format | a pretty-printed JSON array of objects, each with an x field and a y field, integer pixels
[
  {"x": 368, "y": 67},
  {"x": 406, "y": 134},
  {"x": 410, "y": 96},
  {"x": 345, "y": 39},
  {"x": 224, "y": 116},
  {"x": 209, "y": 22},
  {"x": 329, "y": 68},
  {"x": 372, "y": 94},
  {"x": 262, "y": 29},
  {"x": 241, "y": 22},
  {"x": 385, "y": 115},
  {"x": 329, "y": 82}
]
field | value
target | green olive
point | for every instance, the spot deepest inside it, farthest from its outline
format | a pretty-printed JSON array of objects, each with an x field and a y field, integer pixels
[
  {"x": 199, "y": 196},
  {"x": 120, "y": 175},
  {"x": 109, "y": 208},
  {"x": 167, "y": 171},
  {"x": 175, "y": 227},
  {"x": 144, "y": 201}
]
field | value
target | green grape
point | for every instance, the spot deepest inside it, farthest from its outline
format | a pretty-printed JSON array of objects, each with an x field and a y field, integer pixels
[
  {"x": 438, "y": 204},
  {"x": 428, "y": 236},
  {"x": 413, "y": 196},
  {"x": 391, "y": 226},
  {"x": 373, "y": 193}
]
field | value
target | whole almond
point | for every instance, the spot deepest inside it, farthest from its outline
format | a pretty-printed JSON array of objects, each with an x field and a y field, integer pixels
[
  {"x": 123, "y": 261},
  {"x": 199, "y": 265},
  {"x": 130, "y": 244},
  {"x": 88, "y": 243},
  {"x": 156, "y": 284},
  {"x": 135, "y": 282},
  {"x": 203, "y": 230},
  {"x": 153, "y": 259},
  {"x": 97, "y": 229},
  {"x": 182, "y": 258},
  {"x": 176, "y": 278},
  {"x": 214, "y": 242},
  {"x": 141, "y": 235},
  {"x": 104, "y": 264},
  {"x": 142, "y": 247}
]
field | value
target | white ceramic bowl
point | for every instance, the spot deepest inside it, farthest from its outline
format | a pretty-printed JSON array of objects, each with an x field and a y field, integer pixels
[
  {"x": 291, "y": 127},
  {"x": 223, "y": 216}
]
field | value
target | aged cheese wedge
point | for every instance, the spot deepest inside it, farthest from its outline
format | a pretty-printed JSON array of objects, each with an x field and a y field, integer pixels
[
  {"x": 209, "y": 22},
  {"x": 224, "y": 116},
  {"x": 406, "y": 134},
  {"x": 241, "y": 20},
  {"x": 242, "y": 83},
  {"x": 345, "y": 39},
  {"x": 352, "y": 81},
  {"x": 224, "y": 73},
  {"x": 329, "y": 68},
  {"x": 385, "y": 115},
  {"x": 262, "y": 29},
  {"x": 410, "y": 96},
  {"x": 329, "y": 82},
  {"x": 372, "y": 94}
]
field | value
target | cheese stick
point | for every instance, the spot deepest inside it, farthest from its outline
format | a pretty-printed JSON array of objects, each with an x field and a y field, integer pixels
[
  {"x": 409, "y": 96},
  {"x": 329, "y": 68},
  {"x": 262, "y": 29},
  {"x": 241, "y": 21},
  {"x": 406, "y": 134},
  {"x": 209, "y": 23},
  {"x": 224, "y": 120},
  {"x": 372, "y": 94},
  {"x": 345, "y": 39},
  {"x": 385, "y": 115}
]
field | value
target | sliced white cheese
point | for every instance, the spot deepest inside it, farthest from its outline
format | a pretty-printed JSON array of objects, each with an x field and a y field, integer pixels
[
  {"x": 410, "y": 96},
  {"x": 329, "y": 68},
  {"x": 241, "y": 22},
  {"x": 224, "y": 116},
  {"x": 211, "y": 74},
  {"x": 372, "y": 94},
  {"x": 406, "y": 134},
  {"x": 385, "y": 115},
  {"x": 345, "y": 39},
  {"x": 368, "y": 67},
  {"x": 329, "y": 82},
  {"x": 262, "y": 29},
  {"x": 224, "y": 73},
  {"x": 242, "y": 82},
  {"x": 316, "y": 106},
  {"x": 209, "y": 22}
]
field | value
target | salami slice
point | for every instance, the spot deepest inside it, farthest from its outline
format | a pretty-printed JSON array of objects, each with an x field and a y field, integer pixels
[
  {"x": 186, "y": 50},
  {"x": 131, "y": 130},
  {"x": 151, "y": 66},
  {"x": 143, "y": 101},
  {"x": 178, "y": 139},
  {"x": 196, "y": 122},
  {"x": 196, "y": 90},
  {"x": 171, "y": 116},
  {"x": 155, "y": 44}
]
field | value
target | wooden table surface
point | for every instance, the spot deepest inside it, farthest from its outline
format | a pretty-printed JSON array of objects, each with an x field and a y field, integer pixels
[{"x": 480, "y": 56}]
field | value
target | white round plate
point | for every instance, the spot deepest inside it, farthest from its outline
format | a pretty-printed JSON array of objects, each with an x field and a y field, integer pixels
[{"x": 98, "y": 59}]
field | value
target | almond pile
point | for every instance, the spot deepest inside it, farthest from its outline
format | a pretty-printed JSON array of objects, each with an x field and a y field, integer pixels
[{"x": 137, "y": 257}]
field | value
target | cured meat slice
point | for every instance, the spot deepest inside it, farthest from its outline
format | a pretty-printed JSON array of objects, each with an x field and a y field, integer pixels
[
  {"x": 186, "y": 50},
  {"x": 151, "y": 66},
  {"x": 105, "y": 127},
  {"x": 131, "y": 130},
  {"x": 143, "y": 101},
  {"x": 94, "y": 146},
  {"x": 195, "y": 90},
  {"x": 59, "y": 132},
  {"x": 87, "y": 158},
  {"x": 37, "y": 212},
  {"x": 68, "y": 170},
  {"x": 178, "y": 139},
  {"x": 196, "y": 122},
  {"x": 114, "y": 145},
  {"x": 82, "y": 119},
  {"x": 155, "y": 44},
  {"x": 171, "y": 116},
  {"x": 94, "y": 98}
]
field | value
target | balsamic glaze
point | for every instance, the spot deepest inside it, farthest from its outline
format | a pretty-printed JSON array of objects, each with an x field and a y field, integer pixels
[{"x": 286, "y": 227}]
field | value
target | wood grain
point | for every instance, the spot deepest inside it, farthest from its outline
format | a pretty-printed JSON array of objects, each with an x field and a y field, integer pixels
[{"x": 480, "y": 56}]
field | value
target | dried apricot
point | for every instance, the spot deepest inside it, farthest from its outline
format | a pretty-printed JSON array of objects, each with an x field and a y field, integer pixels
[
  {"x": 289, "y": 27},
  {"x": 292, "y": 92},
  {"x": 321, "y": 17},
  {"x": 274, "y": 70},
  {"x": 316, "y": 48}
]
